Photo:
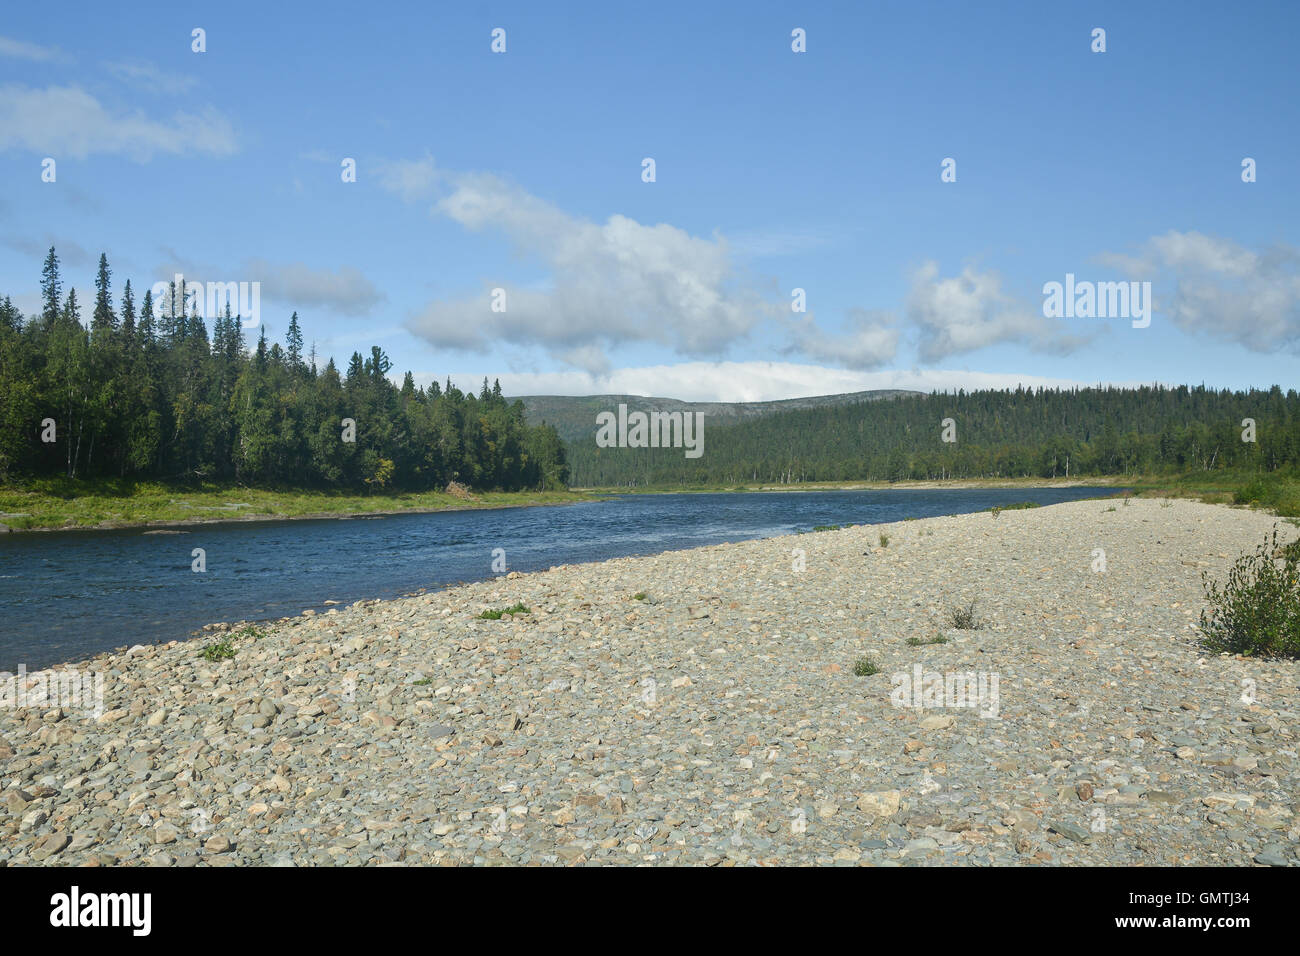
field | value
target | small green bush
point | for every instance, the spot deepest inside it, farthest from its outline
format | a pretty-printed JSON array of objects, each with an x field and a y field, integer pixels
[
  {"x": 496, "y": 615},
  {"x": 864, "y": 667},
  {"x": 1256, "y": 612},
  {"x": 220, "y": 651}
]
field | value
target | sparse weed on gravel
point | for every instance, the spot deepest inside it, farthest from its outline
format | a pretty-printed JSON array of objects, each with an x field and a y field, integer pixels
[
  {"x": 884, "y": 540},
  {"x": 864, "y": 667},
  {"x": 218, "y": 651},
  {"x": 1256, "y": 612},
  {"x": 496, "y": 615},
  {"x": 919, "y": 642},
  {"x": 1014, "y": 506},
  {"x": 963, "y": 617},
  {"x": 639, "y": 596}
]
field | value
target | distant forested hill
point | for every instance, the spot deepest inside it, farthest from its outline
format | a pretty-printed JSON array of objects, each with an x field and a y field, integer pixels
[
  {"x": 999, "y": 434},
  {"x": 574, "y": 416}
]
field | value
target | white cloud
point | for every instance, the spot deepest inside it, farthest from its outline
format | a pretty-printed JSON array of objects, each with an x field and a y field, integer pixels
[
  {"x": 1221, "y": 288},
  {"x": 64, "y": 121},
  {"x": 746, "y": 381},
  {"x": 610, "y": 283},
  {"x": 970, "y": 311},
  {"x": 774, "y": 243},
  {"x": 146, "y": 76},
  {"x": 411, "y": 179},
  {"x": 870, "y": 342},
  {"x": 31, "y": 51}
]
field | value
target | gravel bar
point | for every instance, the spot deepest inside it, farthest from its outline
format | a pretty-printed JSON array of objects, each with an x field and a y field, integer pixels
[{"x": 702, "y": 707}]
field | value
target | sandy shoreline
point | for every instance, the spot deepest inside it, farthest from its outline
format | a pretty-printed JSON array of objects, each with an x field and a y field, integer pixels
[{"x": 717, "y": 721}]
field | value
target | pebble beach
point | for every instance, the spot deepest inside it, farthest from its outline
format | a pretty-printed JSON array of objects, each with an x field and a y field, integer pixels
[{"x": 706, "y": 707}]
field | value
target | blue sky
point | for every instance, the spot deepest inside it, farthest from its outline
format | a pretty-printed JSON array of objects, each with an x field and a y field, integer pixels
[{"x": 774, "y": 170}]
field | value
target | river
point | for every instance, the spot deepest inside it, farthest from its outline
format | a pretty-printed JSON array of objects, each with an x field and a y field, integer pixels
[{"x": 70, "y": 594}]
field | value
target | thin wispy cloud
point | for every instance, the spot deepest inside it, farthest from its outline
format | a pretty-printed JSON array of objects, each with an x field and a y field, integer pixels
[
  {"x": 70, "y": 253},
  {"x": 345, "y": 290},
  {"x": 151, "y": 79},
  {"x": 67, "y": 121},
  {"x": 21, "y": 50}
]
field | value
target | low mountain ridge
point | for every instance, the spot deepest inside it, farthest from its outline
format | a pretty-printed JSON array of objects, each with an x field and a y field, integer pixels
[{"x": 574, "y": 416}]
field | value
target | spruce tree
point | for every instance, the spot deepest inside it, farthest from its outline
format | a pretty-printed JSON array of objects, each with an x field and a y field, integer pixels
[
  {"x": 293, "y": 343},
  {"x": 103, "y": 321},
  {"x": 128, "y": 314},
  {"x": 51, "y": 288}
]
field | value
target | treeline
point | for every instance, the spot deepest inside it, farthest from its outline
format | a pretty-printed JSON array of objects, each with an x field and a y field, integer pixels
[
  {"x": 146, "y": 391},
  {"x": 1047, "y": 433}
]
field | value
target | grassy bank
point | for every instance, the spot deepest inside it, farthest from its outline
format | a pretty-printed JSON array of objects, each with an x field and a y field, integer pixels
[
  {"x": 1277, "y": 493},
  {"x": 1102, "y": 483},
  {"x": 61, "y": 504}
]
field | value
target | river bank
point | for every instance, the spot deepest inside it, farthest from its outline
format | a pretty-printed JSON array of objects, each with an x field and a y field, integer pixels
[
  {"x": 66, "y": 506},
  {"x": 702, "y": 706}
]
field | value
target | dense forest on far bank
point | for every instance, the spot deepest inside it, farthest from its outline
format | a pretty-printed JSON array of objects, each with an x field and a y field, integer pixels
[
  {"x": 146, "y": 391},
  {"x": 1048, "y": 433}
]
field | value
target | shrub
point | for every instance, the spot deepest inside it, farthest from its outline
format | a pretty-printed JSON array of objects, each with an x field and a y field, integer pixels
[{"x": 1256, "y": 612}]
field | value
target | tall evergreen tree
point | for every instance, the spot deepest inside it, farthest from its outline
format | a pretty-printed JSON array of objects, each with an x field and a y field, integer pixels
[
  {"x": 51, "y": 288},
  {"x": 293, "y": 343},
  {"x": 103, "y": 322},
  {"x": 128, "y": 314}
]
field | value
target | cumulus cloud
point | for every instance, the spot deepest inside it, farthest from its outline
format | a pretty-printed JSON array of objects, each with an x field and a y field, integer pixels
[
  {"x": 871, "y": 340},
  {"x": 67, "y": 121},
  {"x": 1221, "y": 288},
  {"x": 968, "y": 312},
  {"x": 610, "y": 283}
]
